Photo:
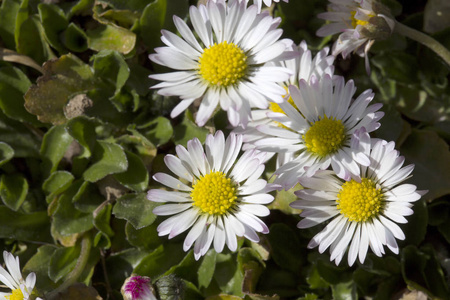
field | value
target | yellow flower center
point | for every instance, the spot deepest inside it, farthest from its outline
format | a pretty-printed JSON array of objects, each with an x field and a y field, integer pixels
[
  {"x": 214, "y": 193},
  {"x": 16, "y": 295},
  {"x": 324, "y": 136},
  {"x": 223, "y": 64},
  {"x": 356, "y": 22},
  {"x": 359, "y": 201}
]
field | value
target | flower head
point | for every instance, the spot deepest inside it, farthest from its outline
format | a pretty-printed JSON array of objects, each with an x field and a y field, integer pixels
[
  {"x": 227, "y": 64},
  {"x": 20, "y": 289},
  {"x": 303, "y": 67},
  {"x": 318, "y": 130},
  {"x": 359, "y": 23},
  {"x": 258, "y": 3},
  {"x": 364, "y": 210},
  {"x": 138, "y": 288},
  {"x": 223, "y": 197}
]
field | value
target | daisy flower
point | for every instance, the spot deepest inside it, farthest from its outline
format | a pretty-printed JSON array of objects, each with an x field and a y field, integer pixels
[
  {"x": 259, "y": 3},
  {"x": 20, "y": 289},
  {"x": 227, "y": 64},
  {"x": 364, "y": 210},
  {"x": 359, "y": 22},
  {"x": 222, "y": 199},
  {"x": 138, "y": 288},
  {"x": 318, "y": 130},
  {"x": 303, "y": 66}
]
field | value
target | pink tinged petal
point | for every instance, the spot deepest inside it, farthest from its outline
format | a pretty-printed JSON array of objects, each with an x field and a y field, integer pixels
[
  {"x": 207, "y": 106},
  {"x": 257, "y": 210},
  {"x": 174, "y": 41},
  {"x": 354, "y": 246},
  {"x": 391, "y": 242},
  {"x": 364, "y": 243},
  {"x": 254, "y": 187},
  {"x": 230, "y": 236},
  {"x": 166, "y": 226},
  {"x": 203, "y": 30},
  {"x": 320, "y": 184},
  {"x": 250, "y": 234},
  {"x": 171, "y": 209},
  {"x": 157, "y": 195},
  {"x": 173, "y": 59},
  {"x": 186, "y": 33},
  {"x": 195, "y": 232},
  {"x": 315, "y": 219},
  {"x": 171, "y": 182},
  {"x": 209, "y": 239},
  {"x": 176, "y": 166},
  {"x": 343, "y": 243},
  {"x": 219, "y": 236},
  {"x": 392, "y": 227},
  {"x": 269, "y": 53},
  {"x": 200, "y": 242},
  {"x": 195, "y": 150},
  {"x": 177, "y": 110},
  {"x": 253, "y": 179},
  {"x": 258, "y": 199}
]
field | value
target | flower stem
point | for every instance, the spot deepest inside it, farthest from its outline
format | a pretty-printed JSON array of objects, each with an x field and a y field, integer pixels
[
  {"x": 424, "y": 39},
  {"x": 86, "y": 245}
]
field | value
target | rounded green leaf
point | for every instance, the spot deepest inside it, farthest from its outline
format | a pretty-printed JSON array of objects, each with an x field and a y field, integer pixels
[
  {"x": 159, "y": 131},
  {"x": 145, "y": 238},
  {"x": 109, "y": 159},
  {"x": 54, "y": 146},
  {"x": 136, "y": 209},
  {"x": 187, "y": 130},
  {"x": 58, "y": 182},
  {"x": 13, "y": 190},
  {"x": 136, "y": 177},
  {"x": 63, "y": 261},
  {"x": 111, "y": 37},
  {"x": 102, "y": 218},
  {"x": 24, "y": 227},
  {"x": 6, "y": 153},
  {"x": 111, "y": 67},
  {"x": 83, "y": 130},
  {"x": 39, "y": 264},
  {"x": 54, "y": 22},
  {"x": 74, "y": 38},
  {"x": 286, "y": 249}
]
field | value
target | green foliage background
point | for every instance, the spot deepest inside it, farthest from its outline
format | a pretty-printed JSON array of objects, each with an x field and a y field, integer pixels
[{"x": 81, "y": 136}]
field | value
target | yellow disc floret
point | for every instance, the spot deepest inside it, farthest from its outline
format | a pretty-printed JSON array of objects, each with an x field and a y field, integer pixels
[
  {"x": 16, "y": 295},
  {"x": 214, "y": 193},
  {"x": 359, "y": 201},
  {"x": 325, "y": 136},
  {"x": 223, "y": 64},
  {"x": 356, "y": 22}
]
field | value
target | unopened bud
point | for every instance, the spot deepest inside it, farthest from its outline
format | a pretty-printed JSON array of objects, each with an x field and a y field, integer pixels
[
  {"x": 138, "y": 288},
  {"x": 378, "y": 28}
]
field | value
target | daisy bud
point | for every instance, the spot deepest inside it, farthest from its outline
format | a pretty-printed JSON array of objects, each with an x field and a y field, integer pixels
[{"x": 138, "y": 288}]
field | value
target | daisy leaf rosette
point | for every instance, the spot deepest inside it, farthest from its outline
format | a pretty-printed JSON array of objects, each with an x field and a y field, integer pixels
[
  {"x": 318, "y": 130},
  {"x": 363, "y": 211},
  {"x": 303, "y": 67},
  {"x": 222, "y": 199},
  {"x": 21, "y": 289},
  {"x": 359, "y": 24},
  {"x": 226, "y": 64}
]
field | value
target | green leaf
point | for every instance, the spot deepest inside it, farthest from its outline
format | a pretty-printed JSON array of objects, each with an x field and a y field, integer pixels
[
  {"x": 416, "y": 228},
  {"x": 145, "y": 238},
  {"x": 159, "y": 131},
  {"x": 102, "y": 218},
  {"x": 109, "y": 159},
  {"x": 74, "y": 38},
  {"x": 57, "y": 183},
  {"x": 63, "y": 78},
  {"x": 331, "y": 273},
  {"x": 83, "y": 130},
  {"x": 286, "y": 249},
  {"x": 170, "y": 287},
  {"x": 227, "y": 274},
  {"x": 23, "y": 141},
  {"x": 397, "y": 65},
  {"x": 54, "y": 22},
  {"x": 8, "y": 15},
  {"x": 136, "y": 177},
  {"x": 283, "y": 199},
  {"x": 111, "y": 37},
  {"x": 63, "y": 261},
  {"x": 54, "y": 145},
  {"x": 31, "y": 40},
  {"x": 431, "y": 157},
  {"x": 39, "y": 264},
  {"x": 6, "y": 153},
  {"x": 344, "y": 291},
  {"x": 136, "y": 209},
  {"x": 434, "y": 19},
  {"x": 206, "y": 270},
  {"x": 111, "y": 67},
  {"x": 13, "y": 190},
  {"x": 87, "y": 198},
  {"x": 187, "y": 130},
  {"x": 68, "y": 220},
  {"x": 13, "y": 85},
  {"x": 421, "y": 271},
  {"x": 24, "y": 227},
  {"x": 133, "y": 5},
  {"x": 160, "y": 260}
]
